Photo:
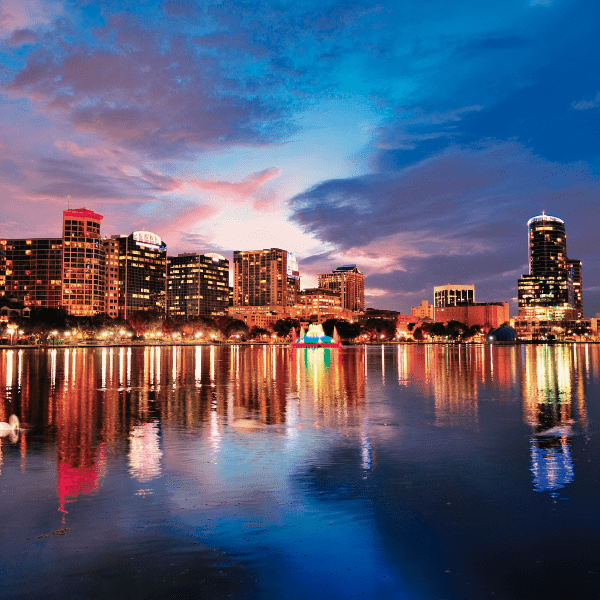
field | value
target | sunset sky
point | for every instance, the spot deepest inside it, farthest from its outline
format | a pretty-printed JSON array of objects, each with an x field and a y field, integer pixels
[{"x": 411, "y": 138}]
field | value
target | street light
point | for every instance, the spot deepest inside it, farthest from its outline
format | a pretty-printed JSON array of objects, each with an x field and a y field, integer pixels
[{"x": 11, "y": 327}]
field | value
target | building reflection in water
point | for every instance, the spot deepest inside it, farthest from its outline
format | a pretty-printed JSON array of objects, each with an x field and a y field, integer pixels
[
  {"x": 453, "y": 375},
  {"x": 553, "y": 393},
  {"x": 89, "y": 400}
]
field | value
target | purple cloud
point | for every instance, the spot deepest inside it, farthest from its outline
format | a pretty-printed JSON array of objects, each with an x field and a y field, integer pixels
[{"x": 20, "y": 37}]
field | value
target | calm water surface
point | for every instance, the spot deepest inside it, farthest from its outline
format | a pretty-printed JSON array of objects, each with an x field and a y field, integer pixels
[{"x": 411, "y": 472}]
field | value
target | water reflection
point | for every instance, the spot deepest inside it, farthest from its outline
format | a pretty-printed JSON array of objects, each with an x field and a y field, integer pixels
[
  {"x": 246, "y": 430},
  {"x": 553, "y": 393}
]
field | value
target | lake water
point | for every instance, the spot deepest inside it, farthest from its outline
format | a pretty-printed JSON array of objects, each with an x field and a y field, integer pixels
[{"x": 415, "y": 472}]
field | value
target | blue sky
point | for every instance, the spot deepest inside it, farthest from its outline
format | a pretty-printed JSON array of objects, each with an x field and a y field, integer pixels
[{"x": 414, "y": 139}]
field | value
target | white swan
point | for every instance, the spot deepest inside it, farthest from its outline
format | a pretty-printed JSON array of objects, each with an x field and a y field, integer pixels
[{"x": 11, "y": 427}]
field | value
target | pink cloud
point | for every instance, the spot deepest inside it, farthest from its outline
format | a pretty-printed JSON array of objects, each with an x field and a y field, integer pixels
[
  {"x": 21, "y": 14},
  {"x": 241, "y": 190},
  {"x": 187, "y": 218}
]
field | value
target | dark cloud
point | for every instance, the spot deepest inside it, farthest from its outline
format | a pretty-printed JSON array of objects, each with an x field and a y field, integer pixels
[
  {"x": 456, "y": 217},
  {"x": 316, "y": 259},
  {"x": 87, "y": 178},
  {"x": 10, "y": 170},
  {"x": 19, "y": 37},
  {"x": 179, "y": 8},
  {"x": 195, "y": 242},
  {"x": 140, "y": 94}
]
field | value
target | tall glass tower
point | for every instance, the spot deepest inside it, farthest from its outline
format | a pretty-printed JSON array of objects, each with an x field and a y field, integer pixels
[{"x": 548, "y": 291}]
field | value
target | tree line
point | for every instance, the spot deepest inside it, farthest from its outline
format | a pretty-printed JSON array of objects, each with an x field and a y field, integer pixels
[{"x": 46, "y": 323}]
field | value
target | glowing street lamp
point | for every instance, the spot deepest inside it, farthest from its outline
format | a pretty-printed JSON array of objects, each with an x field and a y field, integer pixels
[{"x": 11, "y": 327}]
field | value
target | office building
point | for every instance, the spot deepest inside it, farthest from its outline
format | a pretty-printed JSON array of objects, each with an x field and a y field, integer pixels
[
  {"x": 453, "y": 295},
  {"x": 197, "y": 285},
  {"x": 488, "y": 315},
  {"x": 110, "y": 246},
  {"x": 424, "y": 310},
  {"x": 267, "y": 279},
  {"x": 349, "y": 282},
  {"x": 142, "y": 273},
  {"x": 550, "y": 296},
  {"x": 574, "y": 272},
  {"x": 31, "y": 271},
  {"x": 83, "y": 267},
  {"x": 320, "y": 304},
  {"x": 548, "y": 291}
]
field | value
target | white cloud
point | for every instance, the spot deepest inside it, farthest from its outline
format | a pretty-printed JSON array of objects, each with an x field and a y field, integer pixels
[{"x": 587, "y": 104}]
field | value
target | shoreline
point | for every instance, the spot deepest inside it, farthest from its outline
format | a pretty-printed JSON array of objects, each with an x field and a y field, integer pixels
[{"x": 284, "y": 344}]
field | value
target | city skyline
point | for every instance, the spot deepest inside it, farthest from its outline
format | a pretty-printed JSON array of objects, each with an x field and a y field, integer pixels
[{"x": 414, "y": 143}]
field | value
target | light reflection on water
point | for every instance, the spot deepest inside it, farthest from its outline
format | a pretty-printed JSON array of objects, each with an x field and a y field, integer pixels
[{"x": 384, "y": 471}]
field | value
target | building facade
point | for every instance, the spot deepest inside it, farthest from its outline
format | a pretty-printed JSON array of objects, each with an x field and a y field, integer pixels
[
  {"x": 31, "y": 271},
  {"x": 320, "y": 304},
  {"x": 574, "y": 270},
  {"x": 548, "y": 291},
  {"x": 349, "y": 282},
  {"x": 453, "y": 295},
  {"x": 423, "y": 310},
  {"x": 142, "y": 273},
  {"x": 110, "y": 247},
  {"x": 197, "y": 285},
  {"x": 265, "y": 278},
  {"x": 488, "y": 315},
  {"x": 83, "y": 265}
]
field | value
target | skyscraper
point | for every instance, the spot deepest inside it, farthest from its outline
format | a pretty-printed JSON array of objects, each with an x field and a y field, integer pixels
[
  {"x": 31, "y": 271},
  {"x": 574, "y": 267},
  {"x": 267, "y": 278},
  {"x": 349, "y": 282},
  {"x": 83, "y": 268},
  {"x": 548, "y": 291},
  {"x": 197, "y": 285},
  {"x": 142, "y": 272}
]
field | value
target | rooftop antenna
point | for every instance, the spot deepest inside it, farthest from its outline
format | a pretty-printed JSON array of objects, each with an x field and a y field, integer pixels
[{"x": 68, "y": 202}]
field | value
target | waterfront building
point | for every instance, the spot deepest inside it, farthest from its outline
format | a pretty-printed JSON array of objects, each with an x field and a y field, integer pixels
[
  {"x": 550, "y": 296},
  {"x": 142, "y": 272},
  {"x": 254, "y": 318},
  {"x": 349, "y": 282},
  {"x": 423, "y": 310},
  {"x": 265, "y": 278},
  {"x": 574, "y": 271},
  {"x": 320, "y": 304},
  {"x": 488, "y": 315},
  {"x": 110, "y": 247},
  {"x": 547, "y": 292},
  {"x": 532, "y": 328},
  {"x": 83, "y": 266},
  {"x": 31, "y": 271},
  {"x": 197, "y": 285},
  {"x": 453, "y": 294}
]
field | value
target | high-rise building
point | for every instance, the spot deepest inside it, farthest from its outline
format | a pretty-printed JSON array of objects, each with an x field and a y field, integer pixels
[
  {"x": 110, "y": 247},
  {"x": 548, "y": 291},
  {"x": 31, "y": 271},
  {"x": 265, "y": 278},
  {"x": 83, "y": 268},
  {"x": 349, "y": 282},
  {"x": 142, "y": 272},
  {"x": 197, "y": 285},
  {"x": 453, "y": 295},
  {"x": 574, "y": 269}
]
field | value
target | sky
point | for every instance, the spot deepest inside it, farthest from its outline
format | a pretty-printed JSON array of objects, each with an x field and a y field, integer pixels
[{"x": 411, "y": 138}]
